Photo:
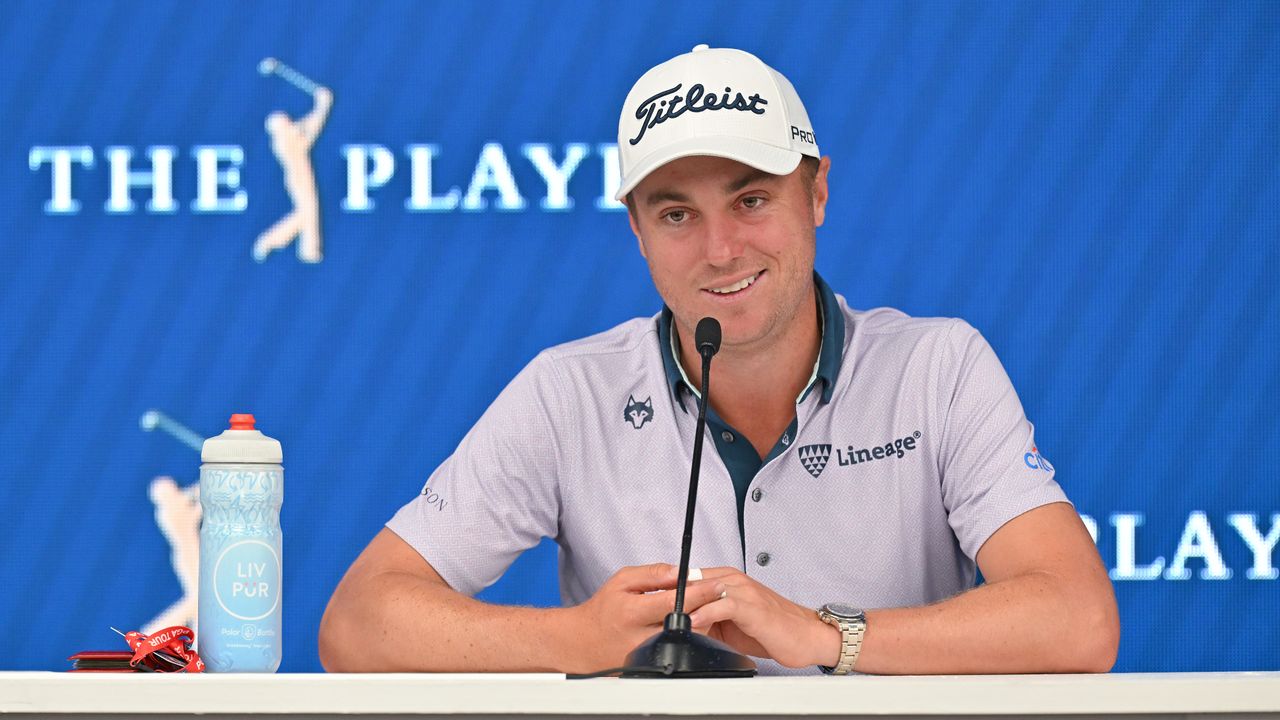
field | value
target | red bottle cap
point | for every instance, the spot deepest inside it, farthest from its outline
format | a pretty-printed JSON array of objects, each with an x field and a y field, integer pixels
[{"x": 242, "y": 421}]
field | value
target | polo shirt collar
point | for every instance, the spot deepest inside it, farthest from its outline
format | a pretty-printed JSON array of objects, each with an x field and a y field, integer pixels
[{"x": 826, "y": 369}]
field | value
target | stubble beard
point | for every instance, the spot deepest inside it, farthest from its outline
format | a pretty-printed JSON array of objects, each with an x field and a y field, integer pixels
[{"x": 778, "y": 318}]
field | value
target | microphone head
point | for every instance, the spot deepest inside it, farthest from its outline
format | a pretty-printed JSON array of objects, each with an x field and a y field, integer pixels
[{"x": 707, "y": 336}]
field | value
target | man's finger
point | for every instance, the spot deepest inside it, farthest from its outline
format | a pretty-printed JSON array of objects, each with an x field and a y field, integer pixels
[
  {"x": 697, "y": 594},
  {"x": 652, "y": 607},
  {"x": 646, "y": 578},
  {"x": 718, "y": 610},
  {"x": 719, "y": 572},
  {"x": 663, "y": 601},
  {"x": 649, "y": 609}
]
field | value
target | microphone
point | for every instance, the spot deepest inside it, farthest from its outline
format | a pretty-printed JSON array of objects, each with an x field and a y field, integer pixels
[
  {"x": 707, "y": 339},
  {"x": 677, "y": 651}
]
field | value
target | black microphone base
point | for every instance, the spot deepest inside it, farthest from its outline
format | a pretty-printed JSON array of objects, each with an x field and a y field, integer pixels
[{"x": 681, "y": 653}]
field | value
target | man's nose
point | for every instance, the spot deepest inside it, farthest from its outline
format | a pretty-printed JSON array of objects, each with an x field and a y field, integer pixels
[{"x": 724, "y": 239}]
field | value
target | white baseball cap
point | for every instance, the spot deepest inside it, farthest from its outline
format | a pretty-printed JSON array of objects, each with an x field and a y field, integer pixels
[{"x": 712, "y": 101}]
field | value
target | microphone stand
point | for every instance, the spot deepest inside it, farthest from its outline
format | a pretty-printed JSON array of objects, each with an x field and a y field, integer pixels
[{"x": 677, "y": 651}]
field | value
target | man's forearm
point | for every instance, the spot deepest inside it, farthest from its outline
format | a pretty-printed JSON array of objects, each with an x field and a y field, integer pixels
[
  {"x": 1031, "y": 623},
  {"x": 401, "y": 622}
]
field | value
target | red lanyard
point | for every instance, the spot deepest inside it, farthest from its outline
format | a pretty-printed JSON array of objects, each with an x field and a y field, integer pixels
[{"x": 169, "y": 642}]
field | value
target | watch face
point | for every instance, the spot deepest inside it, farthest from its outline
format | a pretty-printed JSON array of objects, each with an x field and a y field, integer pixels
[{"x": 842, "y": 610}]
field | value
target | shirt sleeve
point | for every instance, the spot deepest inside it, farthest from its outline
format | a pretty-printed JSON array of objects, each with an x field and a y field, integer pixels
[
  {"x": 992, "y": 470},
  {"x": 497, "y": 495}
]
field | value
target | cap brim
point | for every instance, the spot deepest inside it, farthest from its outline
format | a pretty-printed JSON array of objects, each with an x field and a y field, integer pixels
[{"x": 761, "y": 156}]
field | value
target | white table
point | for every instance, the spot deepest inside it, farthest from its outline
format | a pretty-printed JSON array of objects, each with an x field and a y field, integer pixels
[{"x": 98, "y": 695}]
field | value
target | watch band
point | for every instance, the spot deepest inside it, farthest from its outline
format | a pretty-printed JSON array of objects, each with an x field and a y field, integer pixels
[{"x": 852, "y": 628}]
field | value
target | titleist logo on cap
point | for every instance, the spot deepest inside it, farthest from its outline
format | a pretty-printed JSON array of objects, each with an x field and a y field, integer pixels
[{"x": 659, "y": 108}]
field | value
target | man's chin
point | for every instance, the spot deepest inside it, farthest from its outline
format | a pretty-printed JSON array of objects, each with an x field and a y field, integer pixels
[
  {"x": 739, "y": 327},
  {"x": 741, "y": 333}
]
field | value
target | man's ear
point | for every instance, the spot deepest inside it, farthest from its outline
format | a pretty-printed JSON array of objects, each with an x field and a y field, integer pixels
[{"x": 820, "y": 191}]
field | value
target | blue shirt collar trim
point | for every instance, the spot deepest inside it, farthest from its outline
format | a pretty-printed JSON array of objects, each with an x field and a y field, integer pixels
[{"x": 831, "y": 354}]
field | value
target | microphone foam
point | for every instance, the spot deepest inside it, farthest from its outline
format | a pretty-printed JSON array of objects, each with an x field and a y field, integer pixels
[{"x": 707, "y": 336}]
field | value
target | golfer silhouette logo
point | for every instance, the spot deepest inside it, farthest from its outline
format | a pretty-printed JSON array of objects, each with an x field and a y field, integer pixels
[
  {"x": 291, "y": 141},
  {"x": 177, "y": 513}
]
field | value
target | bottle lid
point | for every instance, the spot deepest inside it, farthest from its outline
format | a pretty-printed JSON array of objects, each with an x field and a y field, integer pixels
[{"x": 242, "y": 444}]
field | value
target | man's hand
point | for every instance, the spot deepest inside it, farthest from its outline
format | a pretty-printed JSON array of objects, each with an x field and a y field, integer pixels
[
  {"x": 392, "y": 591},
  {"x": 755, "y": 620},
  {"x": 628, "y": 609}
]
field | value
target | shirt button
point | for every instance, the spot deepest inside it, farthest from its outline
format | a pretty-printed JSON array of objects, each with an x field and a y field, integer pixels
[
  {"x": 756, "y": 494},
  {"x": 726, "y": 436},
  {"x": 762, "y": 559}
]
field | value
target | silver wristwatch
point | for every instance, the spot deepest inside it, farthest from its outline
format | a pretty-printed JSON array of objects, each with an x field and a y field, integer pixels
[{"x": 852, "y": 622}]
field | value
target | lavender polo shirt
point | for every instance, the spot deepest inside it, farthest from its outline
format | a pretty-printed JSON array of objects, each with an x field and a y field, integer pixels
[{"x": 883, "y": 499}]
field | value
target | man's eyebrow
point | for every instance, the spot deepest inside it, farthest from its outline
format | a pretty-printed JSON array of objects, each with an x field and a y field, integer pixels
[
  {"x": 660, "y": 196},
  {"x": 751, "y": 177}
]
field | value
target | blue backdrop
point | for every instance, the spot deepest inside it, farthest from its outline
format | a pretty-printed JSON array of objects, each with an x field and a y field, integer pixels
[{"x": 1094, "y": 185}]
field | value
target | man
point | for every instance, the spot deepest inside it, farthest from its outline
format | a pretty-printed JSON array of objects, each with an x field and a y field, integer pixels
[{"x": 862, "y": 460}]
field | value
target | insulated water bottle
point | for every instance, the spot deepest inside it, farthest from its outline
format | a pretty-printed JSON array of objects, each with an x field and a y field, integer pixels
[{"x": 241, "y": 489}]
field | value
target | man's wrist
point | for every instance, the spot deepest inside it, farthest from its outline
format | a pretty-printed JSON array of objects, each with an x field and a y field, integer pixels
[
  {"x": 828, "y": 643},
  {"x": 851, "y": 623},
  {"x": 564, "y": 628}
]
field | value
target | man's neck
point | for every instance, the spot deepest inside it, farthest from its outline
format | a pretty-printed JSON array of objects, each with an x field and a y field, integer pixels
[{"x": 757, "y": 385}]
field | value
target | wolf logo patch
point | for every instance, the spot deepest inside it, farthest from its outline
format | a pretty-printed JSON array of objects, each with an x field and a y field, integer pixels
[
  {"x": 814, "y": 458},
  {"x": 638, "y": 413}
]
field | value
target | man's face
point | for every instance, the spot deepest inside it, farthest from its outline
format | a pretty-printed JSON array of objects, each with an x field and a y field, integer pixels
[{"x": 726, "y": 240}]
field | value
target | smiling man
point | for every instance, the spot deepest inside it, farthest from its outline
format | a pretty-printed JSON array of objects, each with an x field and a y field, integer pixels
[{"x": 865, "y": 463}]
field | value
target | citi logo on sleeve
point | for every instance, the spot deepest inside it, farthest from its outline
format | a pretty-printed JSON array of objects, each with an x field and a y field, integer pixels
[
  {"x": 815, "y": 457},
  {"x": 1036, "y": 461}
]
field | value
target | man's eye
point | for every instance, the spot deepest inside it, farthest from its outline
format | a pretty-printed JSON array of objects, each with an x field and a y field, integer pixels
[
  {"x": 751, "y": 202},
  {"x": 675, "y": 216}
]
